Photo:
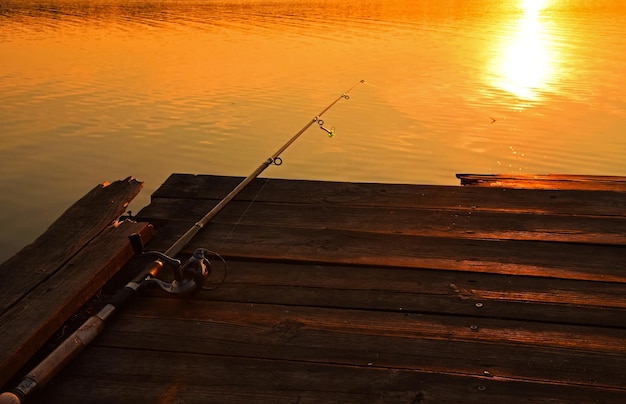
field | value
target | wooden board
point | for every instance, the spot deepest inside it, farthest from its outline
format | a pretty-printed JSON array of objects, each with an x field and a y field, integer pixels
[
  {"x": 411, "y": 290},
  {"x": 80, "y": 223},
  {"x": 514, "y": 350},
  {"x": 554, "y": 260},
  {"x": 109, "y": 375},
  {"x": 445, "y": 222},
  {"x": 59, "y": 285},
  {"x": 550, "y": 181},
  {"x": 390, "y": 196}
]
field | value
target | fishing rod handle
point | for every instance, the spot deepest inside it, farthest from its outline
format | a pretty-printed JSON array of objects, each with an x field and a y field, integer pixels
[
  {"x": 52, "y": 364},
  {"x": 39, "y": 376}
]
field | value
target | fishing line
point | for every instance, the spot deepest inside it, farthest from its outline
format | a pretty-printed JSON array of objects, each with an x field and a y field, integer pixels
[{"x": 232, "y": 230}]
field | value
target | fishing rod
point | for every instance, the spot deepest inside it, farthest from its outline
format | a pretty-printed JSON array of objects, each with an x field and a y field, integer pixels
[{"x": 188, "y": 278}]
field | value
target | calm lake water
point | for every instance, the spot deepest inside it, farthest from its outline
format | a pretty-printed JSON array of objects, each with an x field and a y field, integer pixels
[{"x": 97, "y": 90}]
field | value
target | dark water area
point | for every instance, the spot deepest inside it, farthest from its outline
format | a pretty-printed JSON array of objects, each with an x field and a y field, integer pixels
[{"x": 94, "y": 91}]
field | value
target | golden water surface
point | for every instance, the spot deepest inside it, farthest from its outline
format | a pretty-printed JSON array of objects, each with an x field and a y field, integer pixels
[{"x": 96, "y": 90}]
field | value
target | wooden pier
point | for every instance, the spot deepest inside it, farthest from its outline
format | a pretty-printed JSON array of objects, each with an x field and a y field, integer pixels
[{"x": 500, "y": 291}]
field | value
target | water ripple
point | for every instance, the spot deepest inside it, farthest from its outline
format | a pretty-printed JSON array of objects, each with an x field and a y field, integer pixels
[{"x": 101, "y": 89}]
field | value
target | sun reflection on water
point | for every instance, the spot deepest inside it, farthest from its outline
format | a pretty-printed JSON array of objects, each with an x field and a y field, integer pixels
[
  {"x": 526, "y": 62},
  {"x": 533, "y": 6}
]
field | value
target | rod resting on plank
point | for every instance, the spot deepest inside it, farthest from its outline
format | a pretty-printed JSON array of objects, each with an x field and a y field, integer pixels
[{"x": 187, "y": 279}]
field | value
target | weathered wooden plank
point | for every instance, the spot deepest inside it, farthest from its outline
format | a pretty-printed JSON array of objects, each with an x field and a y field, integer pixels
[
  {"x": 554, "y": 260},
  {"x": 601, "y": 203},
  {"x": 80, "y": 223},
  {"x": 422, "y": 291},
  {"x": 109, "y": 375},
  {"x": 28, "y": 324},
  {"x": 512, "y": 350},
  {"x": 550, "y": 181},
  {"x": 298, "y": 341},
  {"x": 453, "y": 223}
]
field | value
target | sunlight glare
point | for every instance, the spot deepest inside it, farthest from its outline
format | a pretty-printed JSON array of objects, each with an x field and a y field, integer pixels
[
  {"x": 526, "y": 62},
  {"x": 532, "y": 7}
]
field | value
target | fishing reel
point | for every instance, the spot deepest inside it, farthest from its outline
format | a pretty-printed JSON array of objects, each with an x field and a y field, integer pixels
[{"x": 188, "y": 278}]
